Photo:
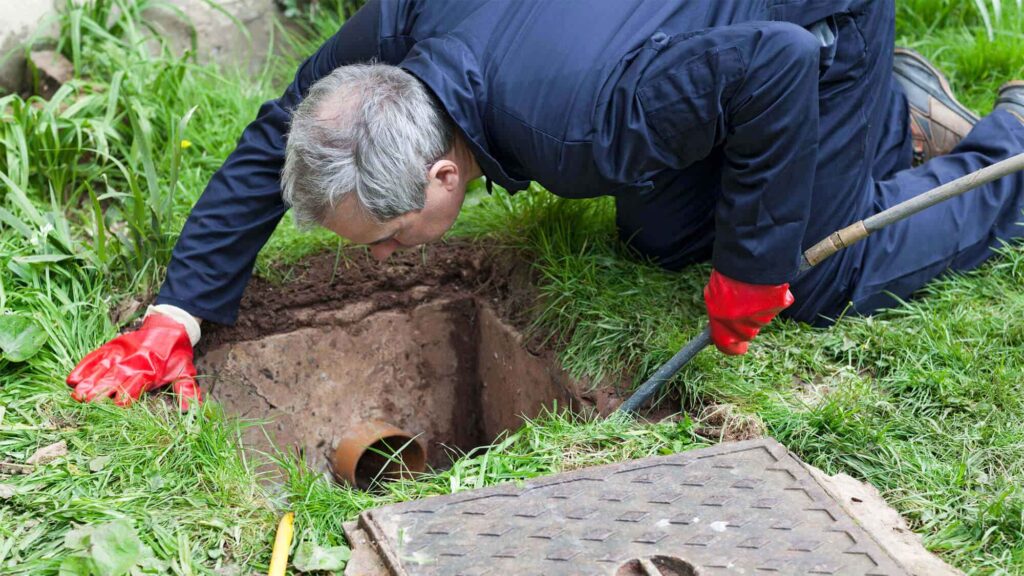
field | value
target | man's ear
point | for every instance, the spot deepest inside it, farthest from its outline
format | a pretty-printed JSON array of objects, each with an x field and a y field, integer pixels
[{"x": 447, "y": 172}]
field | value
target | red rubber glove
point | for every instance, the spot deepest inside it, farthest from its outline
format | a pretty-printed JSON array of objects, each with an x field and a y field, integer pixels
[
  {"x": 737, "y": 311},
  {"x": 158, "y": 353}
]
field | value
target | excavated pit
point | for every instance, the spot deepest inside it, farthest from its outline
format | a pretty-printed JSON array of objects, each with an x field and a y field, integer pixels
[{"x": 427, "y": 342}]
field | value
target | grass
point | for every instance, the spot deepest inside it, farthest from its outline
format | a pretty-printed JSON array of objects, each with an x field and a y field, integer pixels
[{"x": 924, "y": 401}]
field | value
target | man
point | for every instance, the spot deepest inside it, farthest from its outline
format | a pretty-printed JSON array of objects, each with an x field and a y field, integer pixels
[{"x": 741, "y": 131}]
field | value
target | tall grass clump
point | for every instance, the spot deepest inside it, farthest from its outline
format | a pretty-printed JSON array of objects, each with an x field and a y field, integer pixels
[{"x": 94, "y": 186}]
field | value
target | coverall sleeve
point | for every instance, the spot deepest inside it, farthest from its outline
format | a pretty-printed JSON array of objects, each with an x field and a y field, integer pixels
[
  {"x": 236, "y": 214},
  {"x": 752, "y": 90}
]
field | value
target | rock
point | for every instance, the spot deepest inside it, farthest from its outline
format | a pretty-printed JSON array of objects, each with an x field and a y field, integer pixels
[
  {"x": 7, "y": 491},
  {"x": 50, "y": 70},
  {"x": 218, "y": 36},
  {"x": 216, "y": 32},
  {"x": 364, "y": 561},
  {"x": 48, "y": 454},
  {"x": 128, "y": 309},
  {"x": 20, "y": 19}
]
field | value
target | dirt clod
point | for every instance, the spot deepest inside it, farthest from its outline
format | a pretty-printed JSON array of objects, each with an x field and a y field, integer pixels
[
  {"x": 9, "y": 468},
  {"x": 724, "y": 423},
  {"x": 48, "y": 454}
]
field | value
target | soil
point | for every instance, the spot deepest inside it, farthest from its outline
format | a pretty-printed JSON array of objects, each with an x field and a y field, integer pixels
[
  {"x": 321, "y": 285},
  {"x": 430, "y": 341}
]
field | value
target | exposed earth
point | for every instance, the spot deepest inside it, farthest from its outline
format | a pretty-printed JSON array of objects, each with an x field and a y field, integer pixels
[{"x": 431, "y": 341}]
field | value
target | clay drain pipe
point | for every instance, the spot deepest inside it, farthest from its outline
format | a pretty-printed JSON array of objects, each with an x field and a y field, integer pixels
[{"x": 375, "y": 451}]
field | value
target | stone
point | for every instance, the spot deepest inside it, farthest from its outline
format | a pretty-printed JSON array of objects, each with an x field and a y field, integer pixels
[
  {"x": 50, "y": 70},
  {"x": 364, "y": 558},
  {"x": 217, "y": 33},
  {"x": 234, "y": 34},
  {"x": 20, "y": 19}
]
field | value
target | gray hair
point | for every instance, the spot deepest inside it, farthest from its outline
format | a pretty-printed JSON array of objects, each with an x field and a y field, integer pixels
[{"x": 371, "y": 129}]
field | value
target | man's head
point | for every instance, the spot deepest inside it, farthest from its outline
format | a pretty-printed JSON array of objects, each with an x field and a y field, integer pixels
[{"x": 373, "y": 157}]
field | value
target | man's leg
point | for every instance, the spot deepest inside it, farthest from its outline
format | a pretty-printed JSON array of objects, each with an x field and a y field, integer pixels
[
  {"x": 864, "y": 158},
  {"x": 863, "y": 132},
  {"x": 958, "y": 234},
  {"x": 868, "y": 106},
  {"x": 895, "y": 150}
]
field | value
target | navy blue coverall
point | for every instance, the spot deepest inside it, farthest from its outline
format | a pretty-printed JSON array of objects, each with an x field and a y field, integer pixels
[{"x": 738, "y": 130}]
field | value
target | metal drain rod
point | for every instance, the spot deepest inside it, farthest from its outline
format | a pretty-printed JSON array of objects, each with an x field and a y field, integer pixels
[{"x": 830, "y": 245}]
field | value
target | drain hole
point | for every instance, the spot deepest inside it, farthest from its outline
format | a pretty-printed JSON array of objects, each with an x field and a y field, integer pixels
[
  {"x": 657, "y": 566},
  {"x": 448, "y": 372},
  {"x": 375, "y": 452}
]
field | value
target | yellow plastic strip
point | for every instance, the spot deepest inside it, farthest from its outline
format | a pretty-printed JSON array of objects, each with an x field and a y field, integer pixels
[{"x": 282, "y": 542}]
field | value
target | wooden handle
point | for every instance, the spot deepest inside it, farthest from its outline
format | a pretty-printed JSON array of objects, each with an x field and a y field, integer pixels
[{"x": 835, "y": 242}]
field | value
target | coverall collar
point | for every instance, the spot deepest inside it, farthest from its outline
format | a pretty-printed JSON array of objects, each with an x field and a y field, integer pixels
[{"x": 451, "y": 71}]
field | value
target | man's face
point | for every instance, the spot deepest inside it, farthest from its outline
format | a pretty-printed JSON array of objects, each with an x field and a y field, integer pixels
[{"x": 444, "y": 196}]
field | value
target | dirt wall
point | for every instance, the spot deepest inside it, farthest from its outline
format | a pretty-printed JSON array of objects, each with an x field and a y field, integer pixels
[{"x": 415, "y": 369}]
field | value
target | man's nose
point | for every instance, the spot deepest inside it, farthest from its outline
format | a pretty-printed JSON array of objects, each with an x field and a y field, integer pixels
[{"x": 383, "y": 251}]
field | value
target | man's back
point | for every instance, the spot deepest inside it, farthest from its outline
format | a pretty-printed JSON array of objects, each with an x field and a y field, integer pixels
[{"x": 530, "y": 81}]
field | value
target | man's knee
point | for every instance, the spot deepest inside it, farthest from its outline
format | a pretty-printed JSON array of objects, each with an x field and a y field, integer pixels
[
  {"x": 646, "y": 242},
  {"x": 664, "y": 254},
  {"x": 787, "y": 46},
  {"x": 668, "y": 237}
]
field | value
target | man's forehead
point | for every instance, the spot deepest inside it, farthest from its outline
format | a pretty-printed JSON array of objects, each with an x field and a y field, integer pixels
[{"x": 351, "y": 222}]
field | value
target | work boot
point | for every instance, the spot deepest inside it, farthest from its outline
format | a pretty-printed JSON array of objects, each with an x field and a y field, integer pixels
[
  {"x": 1011, "y": 99},
  {"x": 937, "y": 121}
]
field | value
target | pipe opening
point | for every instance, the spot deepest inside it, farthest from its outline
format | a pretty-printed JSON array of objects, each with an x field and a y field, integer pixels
[
  {"x": 387, "y": 459},
  {"x": 374, "y": 452}
]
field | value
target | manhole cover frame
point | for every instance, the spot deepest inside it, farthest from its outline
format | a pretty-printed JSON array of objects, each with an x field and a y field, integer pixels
[{"x": 670, "y": 482}]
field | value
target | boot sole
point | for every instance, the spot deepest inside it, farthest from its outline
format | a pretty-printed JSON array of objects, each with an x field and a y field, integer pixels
[
  {"x": 943, "y": 83},
  {"x": 1009, "y": 85}
]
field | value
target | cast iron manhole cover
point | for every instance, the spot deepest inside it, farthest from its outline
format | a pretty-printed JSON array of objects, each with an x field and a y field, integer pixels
[{"x": 739, "y": 508}]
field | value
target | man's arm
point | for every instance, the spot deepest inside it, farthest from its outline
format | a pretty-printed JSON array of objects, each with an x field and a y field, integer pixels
[
  {"x": 770, "y": 158},
  {"x": 751, "y": 89},
  {"x": 213, "y": 259},
  {"x": 214, "y": 256}
]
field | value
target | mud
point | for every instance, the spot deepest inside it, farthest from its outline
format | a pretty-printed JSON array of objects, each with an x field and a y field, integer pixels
[
  {"x": 430, "y": 341},
  {"x": 341, "y": 288}
]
